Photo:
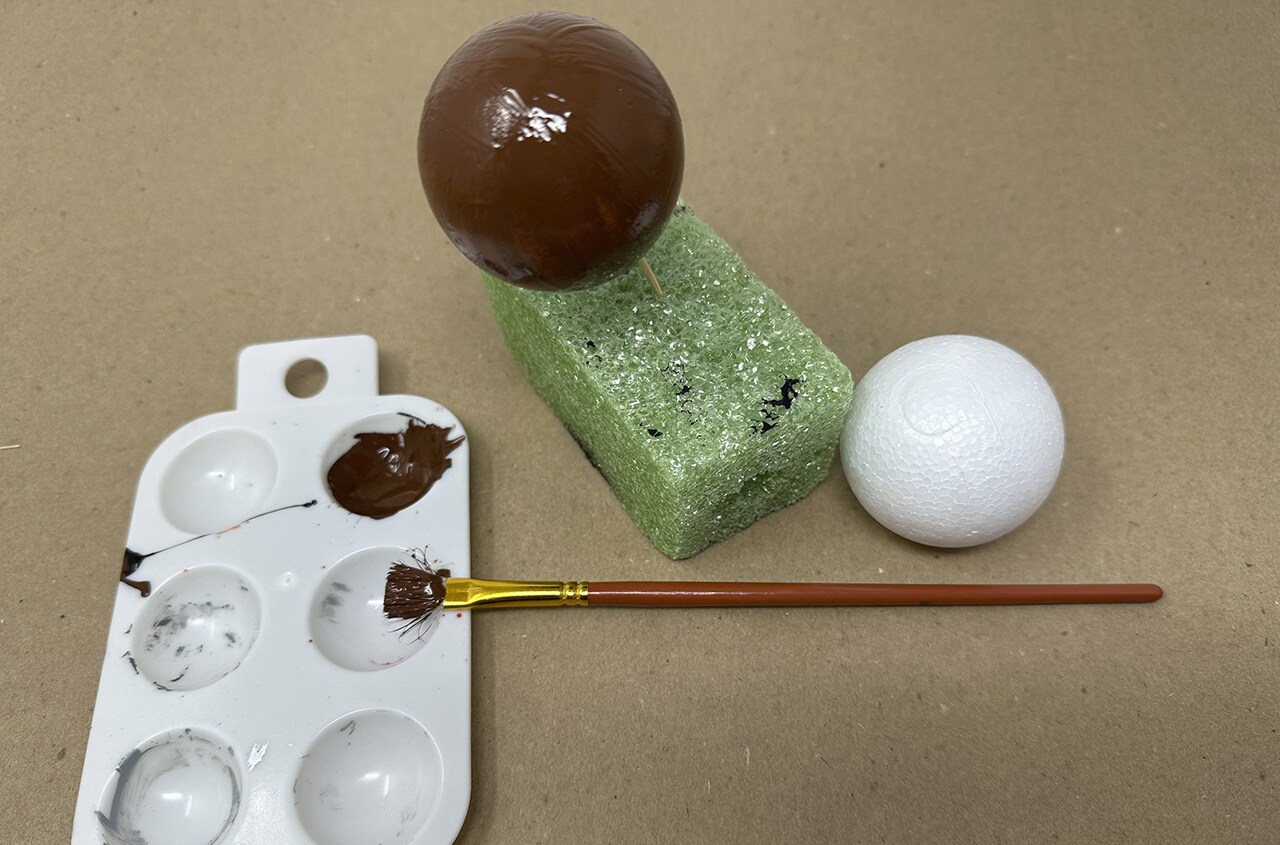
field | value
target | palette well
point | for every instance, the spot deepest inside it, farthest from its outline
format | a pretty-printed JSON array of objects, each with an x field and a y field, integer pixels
[{"x": 252, "y": 689}]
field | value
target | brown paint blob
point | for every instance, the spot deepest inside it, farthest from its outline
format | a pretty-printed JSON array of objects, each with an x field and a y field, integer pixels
[
  {"x": 551, "y": 151},
  {"x": 133, "y": 560},
  {"x": 382, "y": 474}
]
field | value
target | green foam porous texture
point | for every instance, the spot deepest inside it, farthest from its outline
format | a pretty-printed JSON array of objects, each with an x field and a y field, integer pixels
[{"x": 706, "y": 409}]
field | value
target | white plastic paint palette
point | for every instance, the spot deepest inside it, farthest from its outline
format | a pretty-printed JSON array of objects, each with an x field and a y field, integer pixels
[{"x": 258, "y": 695}]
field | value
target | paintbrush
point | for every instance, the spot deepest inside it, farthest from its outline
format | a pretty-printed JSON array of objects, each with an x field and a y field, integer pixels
[{"x": 414, "y": 592}]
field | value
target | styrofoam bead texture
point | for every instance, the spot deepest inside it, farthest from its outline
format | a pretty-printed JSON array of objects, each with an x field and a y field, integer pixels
[
  {"x": 705, "y": 409},
  {"x": 952, "y": 441}
]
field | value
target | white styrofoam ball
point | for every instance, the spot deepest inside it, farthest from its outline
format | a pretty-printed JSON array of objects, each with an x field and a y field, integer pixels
[{"x": 952, "y": 441}]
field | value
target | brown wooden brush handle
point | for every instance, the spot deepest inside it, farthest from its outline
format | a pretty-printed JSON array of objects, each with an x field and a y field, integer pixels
[{"x": 768, "y": 594}]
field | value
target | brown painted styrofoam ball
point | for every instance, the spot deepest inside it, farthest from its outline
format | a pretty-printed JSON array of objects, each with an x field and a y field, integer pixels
[{"x": 551, "y": 151}]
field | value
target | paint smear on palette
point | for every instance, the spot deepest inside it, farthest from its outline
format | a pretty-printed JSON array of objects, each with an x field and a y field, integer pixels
[
  {"x": 196, "y": 773},
  {"x": 133, "y": 560},
  {"x": 382, "y": 474}
]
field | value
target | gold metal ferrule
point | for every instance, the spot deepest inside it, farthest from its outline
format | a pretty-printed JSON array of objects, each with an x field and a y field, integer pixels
[{"x": 479, "y": 593}]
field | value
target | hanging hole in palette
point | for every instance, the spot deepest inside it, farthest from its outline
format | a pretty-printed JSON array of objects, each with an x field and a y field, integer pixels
[
  {"x": 306, "y": 378},
  {"x": 181, "y": 787}
]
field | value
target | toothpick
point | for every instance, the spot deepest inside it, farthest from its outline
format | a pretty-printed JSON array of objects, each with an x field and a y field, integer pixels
[
  {"x": 653, "y": 280},
  {"x": 11, "y": 446}
]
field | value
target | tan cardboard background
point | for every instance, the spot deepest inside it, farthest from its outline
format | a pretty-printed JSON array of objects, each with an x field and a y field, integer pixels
[{"x": 1094, "y": 184}]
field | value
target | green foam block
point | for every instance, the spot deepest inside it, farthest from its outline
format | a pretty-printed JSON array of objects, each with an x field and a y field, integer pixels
[{"x": 706, "y": 409}]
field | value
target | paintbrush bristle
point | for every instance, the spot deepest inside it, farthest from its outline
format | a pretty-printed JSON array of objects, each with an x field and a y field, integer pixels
[{"x": 412, "y": 592}]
